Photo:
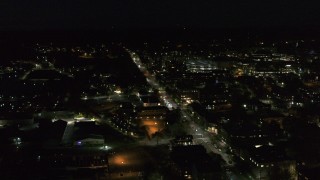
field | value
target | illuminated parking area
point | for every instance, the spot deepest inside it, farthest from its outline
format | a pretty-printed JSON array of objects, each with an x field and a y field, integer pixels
[
  {"x": 128, "y": 158},
  {"x": 152, "y": 126},
  {"x": 128, "y": 163}
]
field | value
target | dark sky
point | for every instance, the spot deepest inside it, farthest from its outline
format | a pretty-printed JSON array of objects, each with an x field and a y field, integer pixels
[{"x": 103, "y": 14}]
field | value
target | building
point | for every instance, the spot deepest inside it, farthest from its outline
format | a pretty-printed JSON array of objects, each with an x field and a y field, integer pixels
[
  {"x": 74, "y": 159},
  {"x": 90, "y": 140},
  {"x": 16, "y": 119},
  {"x": 193, "y": 162},
  {"x": 152, "y": 112},
  {"x": 271, "y": 162},
  {"x": 150, "y": 100},
  {"x": 186, "y": 140}
]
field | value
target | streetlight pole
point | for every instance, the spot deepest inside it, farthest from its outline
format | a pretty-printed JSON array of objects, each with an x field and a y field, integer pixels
[
  {"x": 157, "y": 132},
  {"x": 259, "y": 173}
]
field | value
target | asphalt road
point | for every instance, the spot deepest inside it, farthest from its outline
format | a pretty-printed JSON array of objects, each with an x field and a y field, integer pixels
[{"x": 201, "y": 136}]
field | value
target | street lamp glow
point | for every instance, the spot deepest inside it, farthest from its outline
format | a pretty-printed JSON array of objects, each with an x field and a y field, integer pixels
[
  {"x": 105, "y": 147},
  {"x": 118, "y": 91}
]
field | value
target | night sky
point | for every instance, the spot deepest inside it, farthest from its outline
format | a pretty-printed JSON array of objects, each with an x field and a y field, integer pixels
[{"x": 104, "y": 14}]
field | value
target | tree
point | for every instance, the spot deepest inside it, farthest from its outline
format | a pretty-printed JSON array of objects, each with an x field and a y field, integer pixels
[
  {"x": 173, "y": 116},
  {"x": 281, "y": 173}
]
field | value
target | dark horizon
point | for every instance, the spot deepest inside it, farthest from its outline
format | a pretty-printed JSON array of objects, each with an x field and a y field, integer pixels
[
  {"x": 159, "y": 34},
  {"x": 39, "y": 15}
]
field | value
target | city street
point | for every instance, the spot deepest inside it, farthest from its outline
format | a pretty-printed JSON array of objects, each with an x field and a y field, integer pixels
[
  {"x": 153, "y": 82},
  {"x": 200, "y": 135}
]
